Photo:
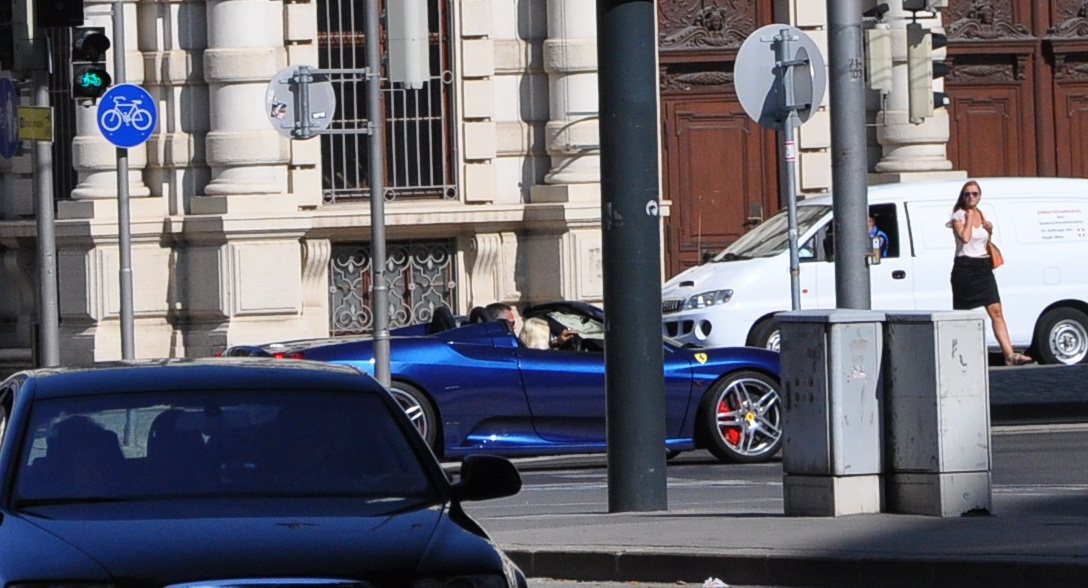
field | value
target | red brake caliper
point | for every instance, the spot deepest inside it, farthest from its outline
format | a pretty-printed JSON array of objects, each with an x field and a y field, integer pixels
[{"x": 732, "y": 431}]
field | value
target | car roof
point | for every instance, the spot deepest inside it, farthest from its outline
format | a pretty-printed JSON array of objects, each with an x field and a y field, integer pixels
[
  {"x": 948, "y": 190},
  {"x": 197, "y": 375}
]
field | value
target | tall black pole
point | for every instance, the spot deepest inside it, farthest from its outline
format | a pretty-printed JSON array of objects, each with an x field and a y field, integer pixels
[
  {"x": 631, "y": 230},
  {"x": 849, "y": 161}
]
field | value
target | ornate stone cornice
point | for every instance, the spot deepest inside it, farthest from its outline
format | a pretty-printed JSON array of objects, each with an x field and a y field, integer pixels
[
  {"x": 705, "y": 24},
  {"x": 983, "y": 20}
]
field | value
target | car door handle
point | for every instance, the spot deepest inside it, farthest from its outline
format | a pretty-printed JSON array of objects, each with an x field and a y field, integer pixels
[{"x": 899, "y": 274}]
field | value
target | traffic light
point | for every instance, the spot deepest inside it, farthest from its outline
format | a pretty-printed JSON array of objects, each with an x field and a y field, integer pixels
[
  {"x": 89, "y": 76},
  {"x": 922, "y": 70}
]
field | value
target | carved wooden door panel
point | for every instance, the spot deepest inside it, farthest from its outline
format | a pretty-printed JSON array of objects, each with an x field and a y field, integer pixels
[
  {"x": 720, "y": 170},
  {"x": 1019, "y": 87},
  {"x": 720, "y": 176}
]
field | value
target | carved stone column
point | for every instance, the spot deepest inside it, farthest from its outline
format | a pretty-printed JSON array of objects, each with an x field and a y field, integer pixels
[
  {"x": 570, "y": 58},
  {"x": 245, "y": 49},
  {"x": 910, "y": 151}
]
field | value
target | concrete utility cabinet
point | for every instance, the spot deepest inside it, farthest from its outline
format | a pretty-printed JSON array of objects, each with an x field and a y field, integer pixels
[
  {"x": 937, "y": 403},
  {"x": 832, "y": 452}
]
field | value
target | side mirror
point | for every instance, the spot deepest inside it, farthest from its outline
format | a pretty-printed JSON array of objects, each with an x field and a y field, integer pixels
[
  {"x": 484, "y": 477},
  {"x": 875, "y": 253}
]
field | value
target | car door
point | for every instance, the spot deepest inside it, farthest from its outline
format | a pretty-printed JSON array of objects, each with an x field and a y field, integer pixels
[
  {"x": 816, "y": 256},
  {"x": 566, "y": 391},
  {"x": 892, "y": 280}
]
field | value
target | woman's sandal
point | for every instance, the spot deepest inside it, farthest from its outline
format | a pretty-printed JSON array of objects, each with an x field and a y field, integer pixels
[{"x": 1018, "y": 359}]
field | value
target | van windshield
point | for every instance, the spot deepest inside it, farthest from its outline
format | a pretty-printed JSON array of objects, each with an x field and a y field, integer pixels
[{"x": 771, "y": 237}]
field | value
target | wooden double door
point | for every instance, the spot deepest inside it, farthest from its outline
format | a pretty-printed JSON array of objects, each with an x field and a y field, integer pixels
[
  {"x": 1018, "y": 84},
  {"x": 720, "y": 171},
  {"x": 1019, "y": 87}
]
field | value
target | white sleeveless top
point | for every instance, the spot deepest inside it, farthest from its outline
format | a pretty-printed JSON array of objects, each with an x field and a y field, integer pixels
[{"x": 976, "y": 246}]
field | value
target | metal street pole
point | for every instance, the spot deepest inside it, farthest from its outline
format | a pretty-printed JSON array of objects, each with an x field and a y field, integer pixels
[
  {"x": 376, "y": 172},
  {"x": 48, "y": 307},
  {"x": 788, "y": 148},
  {"x": 631, "y": 239},
  {"x": 849, "y": 160},
  {"x": 124, "y": 235}
]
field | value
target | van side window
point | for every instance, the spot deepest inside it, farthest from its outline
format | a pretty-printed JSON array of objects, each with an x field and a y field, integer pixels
[{"x": 887, "y": 222}]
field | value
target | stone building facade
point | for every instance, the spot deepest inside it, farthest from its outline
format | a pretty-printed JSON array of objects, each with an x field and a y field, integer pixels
[{"x": 241, "y": 235}]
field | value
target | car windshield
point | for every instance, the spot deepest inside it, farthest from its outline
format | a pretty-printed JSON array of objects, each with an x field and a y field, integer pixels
[
  {"x": 221, "y": 445},
  {"x": 588, "y": 328},
  {"x": 771, "y": 237}
]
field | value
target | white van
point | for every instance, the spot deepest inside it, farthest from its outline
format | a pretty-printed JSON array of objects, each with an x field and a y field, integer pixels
[{"x": 1041, "y": 225}]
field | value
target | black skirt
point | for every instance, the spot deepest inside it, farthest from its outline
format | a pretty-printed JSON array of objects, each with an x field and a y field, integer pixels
[{"x": 973, "y": 283}]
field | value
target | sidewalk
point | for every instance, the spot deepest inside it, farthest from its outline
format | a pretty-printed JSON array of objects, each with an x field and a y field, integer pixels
[
  {"x": 1022, "y": 549},
  {"x": 1036, "y": 535}
]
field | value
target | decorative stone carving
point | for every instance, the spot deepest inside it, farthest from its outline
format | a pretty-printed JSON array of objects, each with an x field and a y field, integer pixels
[
  {"x": 1072, "y": 20},
  {"x": 702, "y": 24},
  {"x": 983, "y": 20},
  {"x": 672, "y": 81},
  {"x": 982, "y": 73}
]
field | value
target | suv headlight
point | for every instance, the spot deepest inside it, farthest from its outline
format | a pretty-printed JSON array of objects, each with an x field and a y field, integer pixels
[{"x": 705, "y": 299}]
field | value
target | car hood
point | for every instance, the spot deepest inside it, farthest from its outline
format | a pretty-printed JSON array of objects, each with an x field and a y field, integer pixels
[
  {"x": 715, "y": 276},
  {"x": 172, "y": 549}
]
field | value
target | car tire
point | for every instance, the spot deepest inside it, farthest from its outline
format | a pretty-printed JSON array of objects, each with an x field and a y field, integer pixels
[
  {"x": 420, "y": 411},
  {"x": 740, "y": 417},
  {"x": 766, "y": 334},
  {"x": 1061, "y": 337}
]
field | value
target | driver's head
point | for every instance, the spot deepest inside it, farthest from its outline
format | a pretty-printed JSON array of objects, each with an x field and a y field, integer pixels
[{"x": 501, "y": 311}]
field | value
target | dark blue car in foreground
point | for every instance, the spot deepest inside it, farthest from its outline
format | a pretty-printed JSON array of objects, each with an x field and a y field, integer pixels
[
  {"x": 472, "y": 387},
  {"x": 232, "y": 473}
]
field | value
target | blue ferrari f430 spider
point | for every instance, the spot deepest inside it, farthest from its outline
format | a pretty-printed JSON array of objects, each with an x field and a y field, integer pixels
[{"x": 474, "y": 387}]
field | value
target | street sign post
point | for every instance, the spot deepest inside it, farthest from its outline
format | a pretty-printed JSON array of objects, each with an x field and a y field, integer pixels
[
  {"x": 780, "y": 79},
  {"x": 9, "y": 119},
  {"x": 127, "y": 115},
  {"x": 36, "y": 123}
]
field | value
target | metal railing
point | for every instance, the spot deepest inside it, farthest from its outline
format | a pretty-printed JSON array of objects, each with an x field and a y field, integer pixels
[{"x": 417, "y": 129}]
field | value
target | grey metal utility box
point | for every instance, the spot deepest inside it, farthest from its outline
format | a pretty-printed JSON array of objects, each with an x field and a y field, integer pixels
[
  {"x": 832, "y": 393},
  {"x": 937, "y": 403}
]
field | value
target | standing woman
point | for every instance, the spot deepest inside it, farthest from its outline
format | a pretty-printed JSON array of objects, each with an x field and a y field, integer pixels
[{"x": 973, "y": 283}]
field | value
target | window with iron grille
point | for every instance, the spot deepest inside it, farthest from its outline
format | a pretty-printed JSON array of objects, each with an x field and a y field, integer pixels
[
  {"x": 418, "y": 158},
  {"x": 421, "y": 278}
]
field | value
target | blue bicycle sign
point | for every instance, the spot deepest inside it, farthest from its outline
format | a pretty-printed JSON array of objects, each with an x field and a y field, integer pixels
[{"x": 126, "y": 115}]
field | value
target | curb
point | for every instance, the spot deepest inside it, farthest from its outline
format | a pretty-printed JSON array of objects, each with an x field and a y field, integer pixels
[{"x": 788, "y": 570}]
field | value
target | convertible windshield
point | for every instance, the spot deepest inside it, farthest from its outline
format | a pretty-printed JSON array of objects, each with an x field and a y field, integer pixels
[
  {"x": 771, "y": 237},
  {"x": 227, "y": 444}
]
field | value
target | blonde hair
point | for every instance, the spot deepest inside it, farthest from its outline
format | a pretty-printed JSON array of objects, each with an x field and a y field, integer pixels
[{"x": 536, "y": 334}]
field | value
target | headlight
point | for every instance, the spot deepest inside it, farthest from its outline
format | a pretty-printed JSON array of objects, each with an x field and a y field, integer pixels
[{"x": 705, "y": 299}]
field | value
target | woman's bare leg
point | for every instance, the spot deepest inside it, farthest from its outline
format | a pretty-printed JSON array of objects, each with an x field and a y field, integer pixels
[{"x": 1001, "y": 330}]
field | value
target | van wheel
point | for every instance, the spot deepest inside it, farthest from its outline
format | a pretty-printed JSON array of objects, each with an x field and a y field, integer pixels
[
  {"x": 766, "y": 334},
  {"x": 1061, "y": 336}
]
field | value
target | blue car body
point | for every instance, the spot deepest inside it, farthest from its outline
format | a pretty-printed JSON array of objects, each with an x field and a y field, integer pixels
[
  {"x": 138, "y": 531},
  {"x": 492, "y": 394}
]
